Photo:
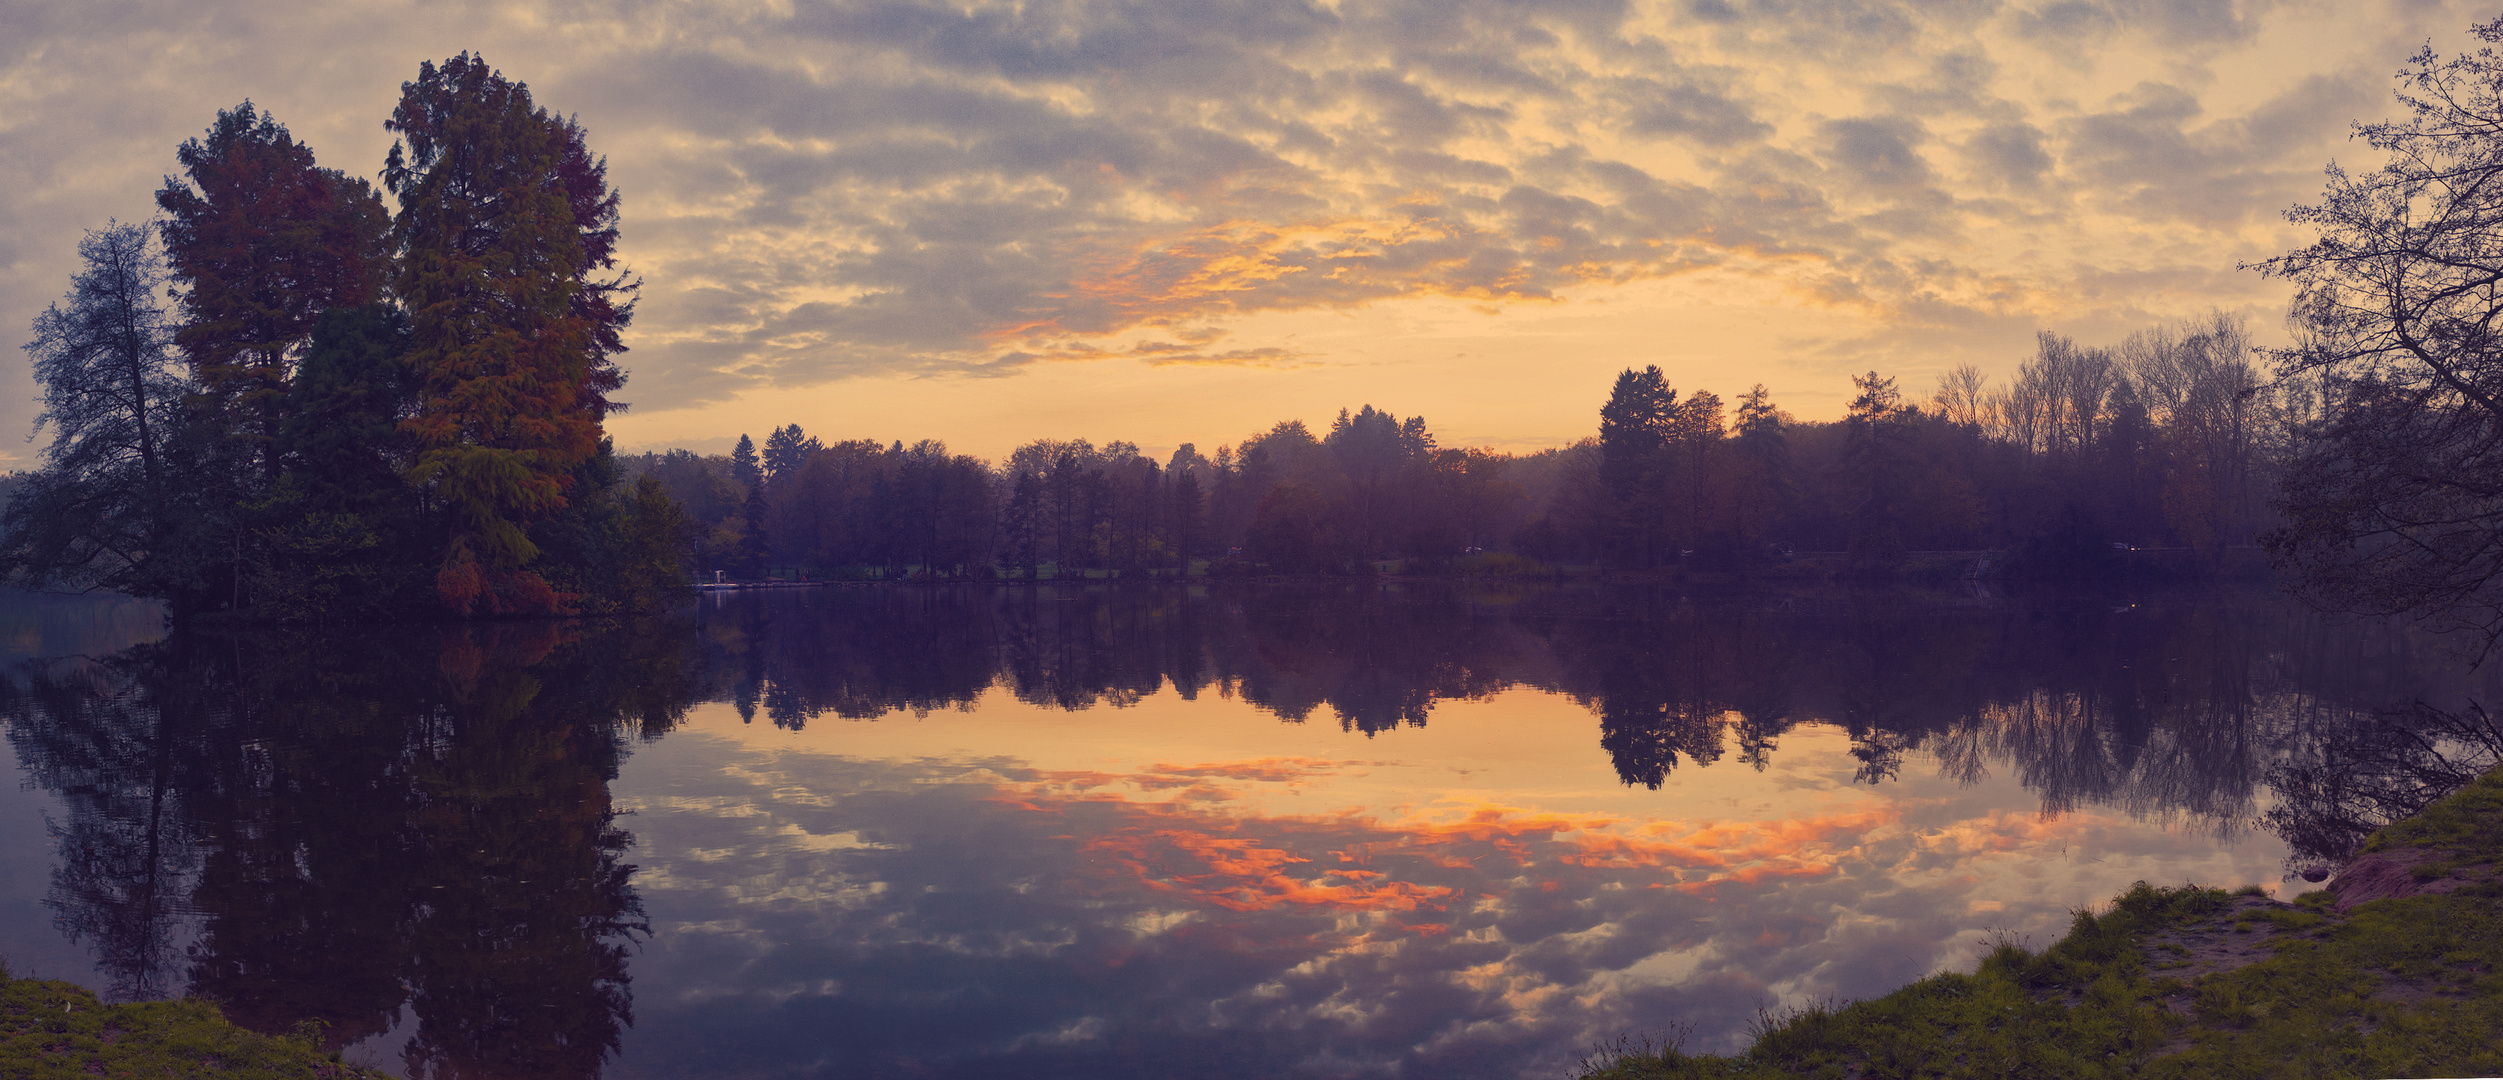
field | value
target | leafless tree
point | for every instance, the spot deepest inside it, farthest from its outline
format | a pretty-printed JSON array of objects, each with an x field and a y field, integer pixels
[
  {"x": 111, "y": 396},
  {"x": 1961, "y": 395},
  {"x": 2396, "y": 502}
]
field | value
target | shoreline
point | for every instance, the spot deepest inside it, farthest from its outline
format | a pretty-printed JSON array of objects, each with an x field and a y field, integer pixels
[
  {"x": 50, "y": 1028},
  {"x": 2394, "y": 969}
]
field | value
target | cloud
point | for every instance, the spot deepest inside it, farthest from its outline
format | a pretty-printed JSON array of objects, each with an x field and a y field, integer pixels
[
  {"x": 829, "y": 189},
  {"x": 1687, "y": 109},
  {"x": 2011, "y": 153},
  {"x": 1878, "y": 152}
]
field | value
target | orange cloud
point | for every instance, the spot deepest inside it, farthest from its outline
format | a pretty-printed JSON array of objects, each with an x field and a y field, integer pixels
[
  {"x": 1191, "y": 845},
  {"x": 1415, "y": 248},
  {"x": 1268, "y": 769},
  {"x": 1215, "y": 267},
  {"x": 1194, "y": 783},
  {"x": 1238, "y": 875}
]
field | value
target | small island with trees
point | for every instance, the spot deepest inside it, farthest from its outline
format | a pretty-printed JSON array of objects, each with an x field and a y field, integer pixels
[{"x": 351, "y": 413}]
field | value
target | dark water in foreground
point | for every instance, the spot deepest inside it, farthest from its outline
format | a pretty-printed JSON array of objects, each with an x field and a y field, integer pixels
[{"x": 1253, "y": 832}]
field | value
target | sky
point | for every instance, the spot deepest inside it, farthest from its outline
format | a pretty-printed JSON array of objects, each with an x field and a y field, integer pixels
[{"x": 1170, "y": 221}]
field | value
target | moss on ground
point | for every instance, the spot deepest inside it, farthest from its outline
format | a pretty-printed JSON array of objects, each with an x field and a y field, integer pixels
[
  {"x": 54, "y": 1029},
  {"x": 2187, "y": 982}
]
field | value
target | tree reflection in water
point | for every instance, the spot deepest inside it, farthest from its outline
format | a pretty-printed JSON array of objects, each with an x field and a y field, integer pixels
[
  {"x": 2172, "y": 708},
  {"x": 358, "y": 822},
  {"x": 341, "y": 826}
]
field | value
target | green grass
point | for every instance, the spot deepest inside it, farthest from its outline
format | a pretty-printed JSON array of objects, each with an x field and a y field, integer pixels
[
  {"x": 2468, "y": 826},
  {"x": 54, "y": 1029},
  {"x": 2398, "y": 987}
]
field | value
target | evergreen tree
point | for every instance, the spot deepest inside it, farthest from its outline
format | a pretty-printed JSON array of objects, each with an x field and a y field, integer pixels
[
  {"x": 753, "y": 547},
  {"x": 744, "y": 468},
  {"x": 1762, "y": 484},
  {"x": 788, "y": 449},
  {"x": 1874, "y": 431},
  {"x": 1634, "y": 430},
  {"x": 342, "y": 440}
]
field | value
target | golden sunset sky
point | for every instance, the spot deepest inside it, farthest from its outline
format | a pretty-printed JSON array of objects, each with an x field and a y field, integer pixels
[{"x": 987, "y": 222}]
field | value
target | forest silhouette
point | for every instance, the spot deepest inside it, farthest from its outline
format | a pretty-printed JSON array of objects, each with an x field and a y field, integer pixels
[{"x": 2171, "y": 440}]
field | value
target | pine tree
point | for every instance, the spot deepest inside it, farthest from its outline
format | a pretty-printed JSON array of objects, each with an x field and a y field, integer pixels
[
  {"x": 1634, "y": 431},
  {"x": 1874, "y": 432},
  {"x": 744, "y": 468},
  {"x": 788, "y": 448},
  {"x": 1762, "y": 489},
  {"x": 505, "y": 224},
  {"x": 749, "y": 555}
]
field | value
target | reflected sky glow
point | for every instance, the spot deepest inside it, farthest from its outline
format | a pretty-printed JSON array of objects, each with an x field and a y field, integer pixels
[{"x": 1105, "y": 879}]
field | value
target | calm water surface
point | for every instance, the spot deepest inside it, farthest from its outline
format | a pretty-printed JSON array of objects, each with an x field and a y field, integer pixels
[{"x": 1113, "y": 833}]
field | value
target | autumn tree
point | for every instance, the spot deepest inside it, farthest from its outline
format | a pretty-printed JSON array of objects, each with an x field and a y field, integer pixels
[
  {"x": 506, "y": 228},
  {"x": 1962, "y": 396},
  {"x": 1457, "y": 499},
  {"x": 264, "y": 241},
  {"x": 820, "y": 509}
]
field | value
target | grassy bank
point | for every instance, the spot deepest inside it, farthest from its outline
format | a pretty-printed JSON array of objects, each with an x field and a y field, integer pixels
[
  {"x": 2395, "y": 970},
  {"x": 54, "y": 1029}
]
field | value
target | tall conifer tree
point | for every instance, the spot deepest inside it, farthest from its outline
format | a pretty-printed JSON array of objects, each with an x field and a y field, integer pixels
[
  {"x": 506, "y": 227},
  {"x": 1634, "y": 430},
  {"x": 744, "y": 468}
]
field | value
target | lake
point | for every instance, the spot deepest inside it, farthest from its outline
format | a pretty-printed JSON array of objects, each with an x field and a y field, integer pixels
[{"x": 1262, "y": 831}]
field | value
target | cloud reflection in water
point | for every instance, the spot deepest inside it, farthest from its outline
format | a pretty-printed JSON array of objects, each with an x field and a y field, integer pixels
[{"x": 986, "y": 916}]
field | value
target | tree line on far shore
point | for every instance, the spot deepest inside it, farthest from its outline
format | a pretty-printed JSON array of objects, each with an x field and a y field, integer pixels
[{"x": 2170, "y": 439}]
